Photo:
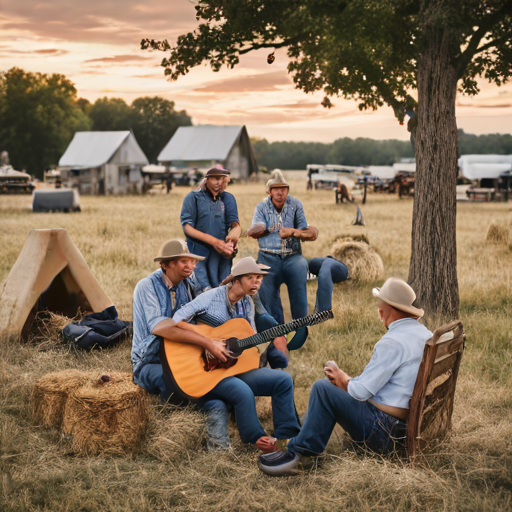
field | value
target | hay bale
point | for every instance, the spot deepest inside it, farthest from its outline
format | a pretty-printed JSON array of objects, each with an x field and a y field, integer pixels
[
  {"x": 172, "y": 436},
  {"x": 363, "y": 262},
  {"x": 107, "y": 415},
  {"x": 497, "y": 233},
  {"x": 50, "y": 393},
  {"x": 354, "y": 237}
]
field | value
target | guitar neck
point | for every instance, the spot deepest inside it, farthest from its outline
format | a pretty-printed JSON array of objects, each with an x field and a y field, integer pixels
[{"x": 281, "y": 330}]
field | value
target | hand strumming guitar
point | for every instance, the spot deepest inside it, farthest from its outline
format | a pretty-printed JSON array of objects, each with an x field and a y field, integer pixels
[{"x": 218, "y": 349}]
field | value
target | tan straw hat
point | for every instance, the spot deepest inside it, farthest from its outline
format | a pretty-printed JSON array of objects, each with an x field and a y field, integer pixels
[
  {"x": 176, "y": 248},
  {"x": 276, "y": 180},
  {"x": 247, "y": 266},
  {"x": 397, "y": 293}
]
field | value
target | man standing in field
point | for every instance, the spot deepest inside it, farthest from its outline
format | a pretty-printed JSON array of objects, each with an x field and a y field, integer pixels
[
  {"x": 279, "y": 224},
  {"x": 372, "y": 408},
  {"x": 209, "y": 217},
  {"x": 155, "y": 300}
]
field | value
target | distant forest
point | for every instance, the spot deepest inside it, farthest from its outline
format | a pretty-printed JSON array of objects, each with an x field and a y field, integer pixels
[{"x": 363, "y": 151}]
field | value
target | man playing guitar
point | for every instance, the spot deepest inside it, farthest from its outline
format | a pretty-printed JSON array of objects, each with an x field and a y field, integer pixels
[{"x": 217, "y": 306}]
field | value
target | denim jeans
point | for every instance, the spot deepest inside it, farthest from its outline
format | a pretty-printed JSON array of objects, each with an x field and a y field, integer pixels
[
  {"x": 151, "y": 378},
  {"x": 210, "y": 272},
  {"x": 366, "y": 424},
  {"x": 329, "y": 271},
  {"x": 291, "y": 270},
  {"x": 240, "y": 392}
]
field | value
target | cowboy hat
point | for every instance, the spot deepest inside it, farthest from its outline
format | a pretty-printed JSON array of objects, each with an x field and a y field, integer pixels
[
  {"x": 397, "y": 293},
  {"x": 176, "y": 248},
  {"x": 247, "y": 266},
  {"x": 276, "y": 180}
]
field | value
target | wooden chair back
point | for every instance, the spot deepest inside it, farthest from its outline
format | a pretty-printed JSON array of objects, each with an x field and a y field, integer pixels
[{"x": 431, "y": 407}]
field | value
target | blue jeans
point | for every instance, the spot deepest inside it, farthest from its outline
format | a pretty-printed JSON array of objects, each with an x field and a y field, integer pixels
[
  {"x": 213, "y": 270},
  {"x": 291, "y": 270},
  {"x": 240, "y": 392},
  {"x": 364, "y": 423},
  {"x": 151, "y": 378},
  {"x": 329, "y": 271}
]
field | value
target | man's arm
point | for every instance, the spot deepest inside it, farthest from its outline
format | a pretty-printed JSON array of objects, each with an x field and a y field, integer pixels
[
  {"x": 186, "y": 333},
  {"x": 310, "y": 234},
  {"x": 258, "y": 227},
  {"x": 234, "y": 233}
]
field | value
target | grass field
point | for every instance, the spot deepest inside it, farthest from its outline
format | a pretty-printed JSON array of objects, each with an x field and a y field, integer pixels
[{"x": 119, "y": 236}]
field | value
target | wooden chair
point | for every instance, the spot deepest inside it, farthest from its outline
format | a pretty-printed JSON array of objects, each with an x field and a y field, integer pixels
[{"x": 430, "y": 411}]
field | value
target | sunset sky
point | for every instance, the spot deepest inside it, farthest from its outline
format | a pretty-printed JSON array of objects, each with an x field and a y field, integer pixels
[{"x": 96, "y": 44}]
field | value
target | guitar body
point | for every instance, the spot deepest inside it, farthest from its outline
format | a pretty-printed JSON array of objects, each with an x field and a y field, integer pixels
[{"x": 184, "y": 366}]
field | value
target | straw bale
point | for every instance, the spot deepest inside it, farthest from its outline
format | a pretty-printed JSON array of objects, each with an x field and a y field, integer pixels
[
  {"x": 497, "y": 233},
  {"x": 50, "y": 393},
  {"x": 363, "y": 262},
  {"x": 353, "y": 237},
  {"x": 107, "y": 415}
]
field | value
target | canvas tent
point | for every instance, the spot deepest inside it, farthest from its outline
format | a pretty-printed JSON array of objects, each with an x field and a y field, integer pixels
[
  {"x": 103, "y": 163},
  {"x": 477, "y": 167},
  {"x": 49, "y": 274},
  {"x": 208, "y": 145}
]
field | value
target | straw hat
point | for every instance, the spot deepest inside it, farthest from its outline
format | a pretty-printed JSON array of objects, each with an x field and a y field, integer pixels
[
  {"x": 276, "y": 180},
  {"x": 247, "y": 266},
  {"x": 176, "y": 248},
  {"x": 399, "y": 294}
]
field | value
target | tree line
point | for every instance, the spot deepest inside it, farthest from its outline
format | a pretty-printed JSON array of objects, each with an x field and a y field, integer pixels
[
  {"x": 363, "y": 151},
  {"x": 40, "y": 113}
]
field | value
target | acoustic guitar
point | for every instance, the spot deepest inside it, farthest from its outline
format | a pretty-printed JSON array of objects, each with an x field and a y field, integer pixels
[{"x": 190, "y": 372}]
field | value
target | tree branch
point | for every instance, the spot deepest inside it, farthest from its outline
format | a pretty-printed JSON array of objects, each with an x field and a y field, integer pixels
[{"x": 258, "y": 46}]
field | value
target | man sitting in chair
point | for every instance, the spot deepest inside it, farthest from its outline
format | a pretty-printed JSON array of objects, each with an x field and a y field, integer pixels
[
  {"x": 217, "y": 306},
  {"x": 373, "y": 407}
]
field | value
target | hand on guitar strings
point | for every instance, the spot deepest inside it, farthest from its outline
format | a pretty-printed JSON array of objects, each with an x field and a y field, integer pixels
[{"x": 219, "y": 350}]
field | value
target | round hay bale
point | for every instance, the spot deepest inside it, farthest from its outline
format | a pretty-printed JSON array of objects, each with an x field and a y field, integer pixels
[
  {"x": 354, "y": 237},
  {"x": 363, "y": 262},
  {"x": 107, "y": 415},
  {"x": 497, "y": 233},
  {"x": 50, "y": 393}
]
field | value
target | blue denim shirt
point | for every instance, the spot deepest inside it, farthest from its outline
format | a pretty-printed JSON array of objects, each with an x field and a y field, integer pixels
[
  {"x": 207, "y": 215},
  {"x": 390, "y": 375},
  {"x": 292, "y": 216},
  {"x": 153, "y": 302}
]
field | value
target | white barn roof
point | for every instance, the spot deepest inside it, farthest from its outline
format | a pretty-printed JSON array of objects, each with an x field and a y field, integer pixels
[
  {"x": 93, "y": 149},
  {"x": 195, "y": 143},
  {"x": 475, "y": 167}
]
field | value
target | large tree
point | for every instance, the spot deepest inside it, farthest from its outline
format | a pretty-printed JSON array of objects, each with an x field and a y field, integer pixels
[
  {"x": 38, "y": 117},
  {"x": 377, "y": 52}
]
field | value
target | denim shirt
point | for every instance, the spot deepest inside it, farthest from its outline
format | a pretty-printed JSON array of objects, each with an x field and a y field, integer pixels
[
  {"x": 207, "y": 215},
  {"x": 213, "y": 308},
  {"x": 390, "y": 375},
  {"x": 291, "y": 216},
  {"x": 153, "y": 302}
]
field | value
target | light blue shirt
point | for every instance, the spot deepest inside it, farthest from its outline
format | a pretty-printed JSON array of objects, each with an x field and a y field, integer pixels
[
  {"x": 213, "y": 308},
  {"x": 292, "y": 216},
  {"x": 390, "y": 375}
]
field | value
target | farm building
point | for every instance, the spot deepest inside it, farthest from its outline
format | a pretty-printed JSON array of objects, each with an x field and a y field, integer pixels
[
  {"x": 208, "y": 145},
  {"x": 103, "y": 163},
  {"x": 489, "y": 167}
]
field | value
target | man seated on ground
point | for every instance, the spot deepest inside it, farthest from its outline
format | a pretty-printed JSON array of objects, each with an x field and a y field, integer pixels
[
  {"x": 373, "y": 407},
  {"x": 156, "y": 298},
  {"x": 279, "y": 224},
  {"x": 217, "y": 306}
]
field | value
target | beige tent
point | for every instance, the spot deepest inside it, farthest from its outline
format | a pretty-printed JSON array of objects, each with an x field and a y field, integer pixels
[{"x": 49, "y": 274}]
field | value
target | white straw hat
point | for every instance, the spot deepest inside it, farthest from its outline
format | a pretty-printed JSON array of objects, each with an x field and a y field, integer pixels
[
  {"x": 276, "y": 180},
  {"x": 397, "y": 293}
]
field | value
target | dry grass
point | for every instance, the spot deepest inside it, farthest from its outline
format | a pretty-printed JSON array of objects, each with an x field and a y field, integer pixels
[{"x": 119, "y": 237}]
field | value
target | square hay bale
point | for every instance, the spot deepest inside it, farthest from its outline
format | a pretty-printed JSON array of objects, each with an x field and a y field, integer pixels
[
  {"x": 108, "y": 415},
  {"x": 50, "y": 394}
]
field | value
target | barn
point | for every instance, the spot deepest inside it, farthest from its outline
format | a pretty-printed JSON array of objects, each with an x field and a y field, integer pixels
[
  {"x": 204, "y": 146},
  {"x": 103, "y": 163}
]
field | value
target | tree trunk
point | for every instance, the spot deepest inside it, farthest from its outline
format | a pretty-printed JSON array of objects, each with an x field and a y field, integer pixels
[{"x": 433, "y": 267}]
